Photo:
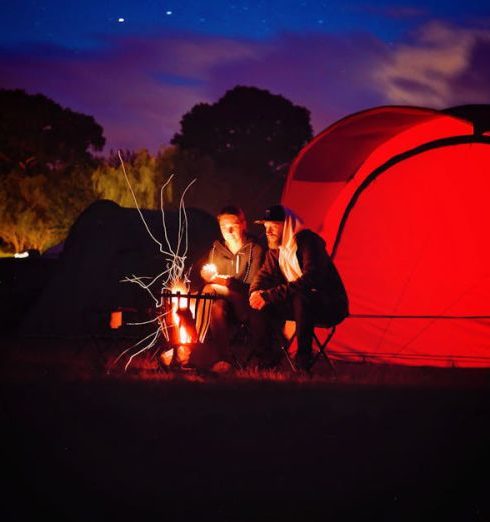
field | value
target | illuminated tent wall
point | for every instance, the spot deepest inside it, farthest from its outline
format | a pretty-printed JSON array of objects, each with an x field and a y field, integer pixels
[
  {"x": 105, "y": 244},
  {"x": 402, "y": 197}
]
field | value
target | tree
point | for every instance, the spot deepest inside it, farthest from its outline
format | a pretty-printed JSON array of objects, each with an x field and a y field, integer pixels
[
  {"x": 144, "y": 176},
  {"x": 246, "y": 125},
  {"x": 37, "y": 211},
  {"x": 38, "y": 135},
  {"x": 252, "y": 136},
  {"x": 186, "y": 166}
]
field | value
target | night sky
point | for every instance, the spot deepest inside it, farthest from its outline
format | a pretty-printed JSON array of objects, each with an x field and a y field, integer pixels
[{"x": 137, "y": 67}]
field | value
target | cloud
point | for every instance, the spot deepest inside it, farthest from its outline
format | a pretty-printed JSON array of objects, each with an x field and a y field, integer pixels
[
  {"x": 440, "y": 67},
  {"x": 139, "y": 88},
  {"x": 330, "y": 75}
]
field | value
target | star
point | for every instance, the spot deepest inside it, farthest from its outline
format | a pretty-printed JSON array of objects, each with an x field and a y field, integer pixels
[
  {"x": 121, "y": 20},
  {"x": 168, "y": 13}
]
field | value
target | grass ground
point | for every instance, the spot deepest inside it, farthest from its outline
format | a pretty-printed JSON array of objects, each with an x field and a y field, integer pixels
[{"x": 371, "y": 443}]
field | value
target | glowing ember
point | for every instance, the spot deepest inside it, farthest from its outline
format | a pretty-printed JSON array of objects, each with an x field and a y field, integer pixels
[
  {"x": 166, "y": 357},
  {"x": 183, "y": 355}
]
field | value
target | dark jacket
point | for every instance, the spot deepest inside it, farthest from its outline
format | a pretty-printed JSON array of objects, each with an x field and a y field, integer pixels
[
  {"x": 242, "y": 267},
  {"x": 318, "y": 274}
]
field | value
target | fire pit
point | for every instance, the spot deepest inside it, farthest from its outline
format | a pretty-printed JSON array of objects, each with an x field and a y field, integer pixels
[{"x": 184, "y": 321}]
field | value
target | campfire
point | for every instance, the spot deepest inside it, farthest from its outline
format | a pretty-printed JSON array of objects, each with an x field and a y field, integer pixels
[
  {"x": 184, "y": 320},
  {"x": 180, "y": 318},
  {"x": 177, "y": 324}
]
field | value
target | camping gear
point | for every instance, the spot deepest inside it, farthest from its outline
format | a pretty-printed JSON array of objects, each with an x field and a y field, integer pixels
[
  {"x": 184, "y": 321},
  {"x": 105, "y": 245},
  {"x": 402, "y": 197}
]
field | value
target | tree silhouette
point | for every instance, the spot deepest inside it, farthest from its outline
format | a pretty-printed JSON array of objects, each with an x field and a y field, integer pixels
[
  {"x": 252, "y": 136},
  {"x": 38, "y": 135}
]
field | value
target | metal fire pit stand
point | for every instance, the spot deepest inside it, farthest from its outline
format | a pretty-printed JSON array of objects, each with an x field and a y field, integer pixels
[{"x": 197, "y": 326}]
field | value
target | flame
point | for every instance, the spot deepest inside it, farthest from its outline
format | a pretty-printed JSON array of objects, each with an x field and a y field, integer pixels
[
  {"x": 184, "y": 336},
  {"x": 179, "y": 304},
  {"x": 182, "y": 288},
  {"x": 183, "y": 355},
  {"x": 210, "y": 267}
]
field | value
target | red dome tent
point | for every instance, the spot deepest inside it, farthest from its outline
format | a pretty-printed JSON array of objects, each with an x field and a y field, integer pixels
[{"x": 402, "y": 197}]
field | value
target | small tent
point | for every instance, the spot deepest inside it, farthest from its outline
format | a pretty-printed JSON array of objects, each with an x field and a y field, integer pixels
[
  {"x": 402, "y": 197},
  {"x": 106, "y": 244}
]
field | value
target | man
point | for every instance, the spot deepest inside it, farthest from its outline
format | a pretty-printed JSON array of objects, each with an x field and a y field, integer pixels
[
  {"x": 298, "y": 281},
  {"x": 232, "y": 264}
]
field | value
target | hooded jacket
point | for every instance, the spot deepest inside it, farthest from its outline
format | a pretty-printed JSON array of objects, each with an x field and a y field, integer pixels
[
  {"x": 318, "y": 274},
  {"x": 242, "y": 267}
]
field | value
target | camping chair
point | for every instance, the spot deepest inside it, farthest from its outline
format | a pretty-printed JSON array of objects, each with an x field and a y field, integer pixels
[{"x": 321, "y": 346}]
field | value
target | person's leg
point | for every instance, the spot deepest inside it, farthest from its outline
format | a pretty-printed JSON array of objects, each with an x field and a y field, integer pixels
[
  {"x": 202, "y": 311},
  {"x": 212, "y": 347},
  {"x": 226, "y": 315},
  {"x": 239, "y": 305},
  {"x": 265, "y": 327},
  {"x": 304, "y": 313},
  {"x": 220, "y": 329}
]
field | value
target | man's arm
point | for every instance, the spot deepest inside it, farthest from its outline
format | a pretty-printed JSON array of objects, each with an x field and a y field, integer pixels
[
  {"x": 314, "y": 262},
  {"x": 257, "y": 258},
  {"x": 267, "y": 276}
]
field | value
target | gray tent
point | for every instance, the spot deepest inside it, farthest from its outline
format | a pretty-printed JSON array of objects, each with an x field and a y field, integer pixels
[{"x": 104, "y": 245}]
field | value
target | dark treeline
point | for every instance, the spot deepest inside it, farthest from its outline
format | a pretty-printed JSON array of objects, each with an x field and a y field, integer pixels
[{"x": 238, "y": 148}]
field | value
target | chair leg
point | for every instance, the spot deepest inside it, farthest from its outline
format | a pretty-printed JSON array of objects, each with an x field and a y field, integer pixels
[
  {"x": 323, "y": 346},
  {"x": 285, "y": 345},
  {"x": 288, "y": 357}
]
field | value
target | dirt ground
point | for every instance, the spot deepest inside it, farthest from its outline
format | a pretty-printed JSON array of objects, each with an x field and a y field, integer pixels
[{"x": 371, "y": 443}]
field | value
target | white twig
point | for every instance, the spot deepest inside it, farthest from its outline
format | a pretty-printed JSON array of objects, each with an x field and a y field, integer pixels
[{"x": 174, "y": 261}]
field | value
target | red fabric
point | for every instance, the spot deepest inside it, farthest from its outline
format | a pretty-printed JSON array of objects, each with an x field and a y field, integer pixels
[
  {"x": 336, "y": 155},
  {"x": 338, "y": 152},
  {"x": 414, "y": 253}
]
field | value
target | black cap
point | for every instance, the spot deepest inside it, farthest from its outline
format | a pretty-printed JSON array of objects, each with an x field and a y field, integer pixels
[{"x": 274, "y": 213}]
